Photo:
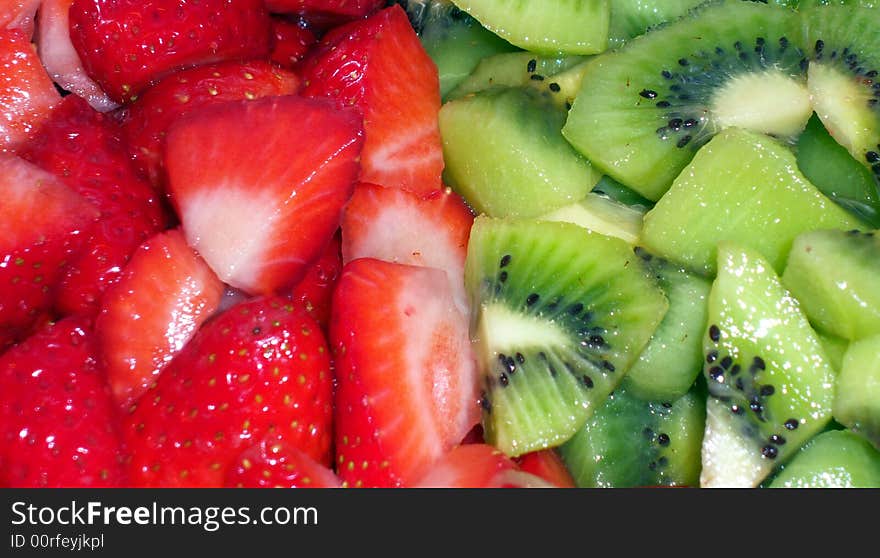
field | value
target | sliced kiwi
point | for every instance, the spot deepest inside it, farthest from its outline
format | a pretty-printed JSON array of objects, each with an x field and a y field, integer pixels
[
  {"x": 771, "y": 387},
  {"x": 629, "y": 442},
  {"x": 833, "y": 459},
  {"x": 631, "y": 18},
  {"x": 673, "y": 359},
  {"x": 613, "y": 189},
  {"x": 568, "y": 26},
  {"x": 506, "y": 156},
  {"x": 857, "y": 401},
  {"x": 744, "y": 187},
  {"x": 834, "y": 275},
  {"x": 560, "y": 314},
  {"x": 519, "y": 69},
  {"x": 835, "y": 349},
  {"x": 603, "y": 215},
  {"x": 832, "y": 169},
  {"x": 844, "y": 53},
  {"x": 643, "y": 110}
]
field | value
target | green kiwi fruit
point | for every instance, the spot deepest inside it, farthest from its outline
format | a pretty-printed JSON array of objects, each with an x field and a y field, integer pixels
[
  {"x": 631, "y": 18},
  {"x": 603, "y": 215},
  {"x": 833, "y": 459},
  {"x": 857, "y": 400}
]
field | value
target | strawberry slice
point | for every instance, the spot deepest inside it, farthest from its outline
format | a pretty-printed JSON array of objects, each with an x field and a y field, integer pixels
[
  {"x": 42, "y": 223},
  {"x": 58, "y": 423},
  {"x": 83, "y": 147},
  {"x": 18, "y": 14},
  {"x": 315, "y": 292},
  {"x": 127, "y": 44},
  {"x": 260, "y": 185},
  {"x": 291, "y": 40},
  {"x": 146, "y": 120},
  {"x": 60, "y": 58},
  {"x": 546, "y": 464},
  {"x": 262, "y": 368},
  {"x": 326, "y": 13},
  {"x": 407, "y": 389},
  {"x": 469, "y": 466},
  {"x": 273, "y": 464},
  {"x": 399, "y": 226},
  {"x": 379, "y": 66},
  {"x": 27, "y": 94},
  {"x": 165, "y": 293}
]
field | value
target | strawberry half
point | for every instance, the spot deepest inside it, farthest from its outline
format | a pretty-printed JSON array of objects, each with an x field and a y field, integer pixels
[
  {"x": 42, "y": 223},
  {"x": 261, "y": 369},
  {"x": 146, "y": 120},
  {"x": 18, "y": 14},
  {"x": 546, "y": 464},
  {"x": 165, "y": 293},
  {"x": 83, "y": 147},
  {"x": 468, "y": 466},
  {"x": 407, "y": 389},
  {"x": 291, "y": 40},
  {"x": 274, "y": 464},
  {"x": 260, "y": 185},
  {"x": 125, "y": 45},
  {"x": 27, "y": 94},
  {"x": 399, "y": 226},
  {"x": 58, "y": 423},
  {"x": 315, "y": 292},
  {"x": 379, "y": 66}
]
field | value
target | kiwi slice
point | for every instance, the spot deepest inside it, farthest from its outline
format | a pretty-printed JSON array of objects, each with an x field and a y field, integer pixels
[
  {"x": 631, "y": 18},
  {"x": 834, "y": 171},
  {"x": 844, "y": 53},
  {"x": 603, "y": 215},
  {"x": 519, "y": 69},
  {"x": 857, "y": 401},
  {"x": 770, "y": 384},
  {"x": 568, "y": 26},
  {"x": 643, "y": 111},
  {"x": 506, "y": 156},
  {"x": 673, "y": 359},
  {"x": 833, "y": 459},
  {"x": 835, "y": 348},
  {"x": 744, "y": 187},
  {"x": 834, "y": 275},
  {"x": 560, "y": 314},
  {"x": 630, "y": 442},
  {"x": 613, "y": 189}
]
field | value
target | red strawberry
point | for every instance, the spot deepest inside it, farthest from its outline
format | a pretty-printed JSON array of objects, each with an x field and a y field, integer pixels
[
  {"x": 165, "y": 293},
  {"x": 83, "y": 147},
  {"x": 407, "y": 389},
  {"x": 379, "y": 66},
  {"x": 469, "y": 466},
  {"x": 146, "y": 120},
  {"x": 260, "y": 185},
  {"x": 60, "y": 58},
  {"x": 125, "y": 45},
  {"x": 291, "y": 40},
  {"x": 18, "y": 14},
  {"x": 27, "y": 94},
  {"x": 546, "y": 464},
  {"x": 41, "y": 227},
  {"x": 58, "y": 423},
  {"x": 326, "y": 14},
  {"x": 273, "y": 464},
  {"x": 402, "y": 227},
  {"x": 315, "y": 292},
  {"x": 260, "y": 369}
]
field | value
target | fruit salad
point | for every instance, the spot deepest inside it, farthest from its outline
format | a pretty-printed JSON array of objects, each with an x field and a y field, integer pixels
[{"x": 431, "y": 243}]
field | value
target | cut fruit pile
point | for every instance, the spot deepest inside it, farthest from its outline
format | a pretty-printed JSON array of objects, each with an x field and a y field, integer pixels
[{"x": 425, "y": 243}]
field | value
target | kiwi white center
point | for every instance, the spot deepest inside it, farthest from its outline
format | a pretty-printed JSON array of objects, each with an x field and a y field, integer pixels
[
  {"x": 502, "y": 330},
  {"x": 769, "y": 102},
  {"x": 842, "y": 104}
]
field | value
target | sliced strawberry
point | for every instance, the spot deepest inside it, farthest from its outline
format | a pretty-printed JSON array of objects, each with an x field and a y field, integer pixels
[
  {"x": 127, "y": 44},
  {"x": 315, "y": 292},
  {"x": 261, "y": 368},
  {"x": 546, "y": 464},
  {"x": 468, "y": 466},
  {"x": 58, "y": 423},
  {"x": 325, "y": 14},
  {"x": 18, "y": 14},
  {"x": 165, "y": 293},
  {"x": 146, "y": 120},
  {"x": 260, "y": 185},
  {"x": 399, "y": 226},
  {"x": 273, "y": 464},
  {"x": 41, "y": 227},
  {"x": 27, "y": 94},
  {"x": 83, "y": 147},
  {"x": 291, "y": 40},
  {"x": 379, "y": 66},
  {"x": 407, "y": 389},
  {"x": 60, "y": 58}
]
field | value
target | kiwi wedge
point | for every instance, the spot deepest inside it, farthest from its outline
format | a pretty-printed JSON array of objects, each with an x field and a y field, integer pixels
[
  {"x": 834, "y": 275},
  {"x": 833, "y": 459},
  {"x": 771, "y": 388},
  {"x": 613, "y": 189},
  {"x": 631, "y": 18},
  {"x": 857, "y": 401},
  {"x": 603, "y": 215},
  {"x": 744, "y": 187},
  {"x": 566, "y": 27},
  {"x": 643, "y": 111},
  {"x": 559, "y": 315},
  {"x": 629, "y": 442}
]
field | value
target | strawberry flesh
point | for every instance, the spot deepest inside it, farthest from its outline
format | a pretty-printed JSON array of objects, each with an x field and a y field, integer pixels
[{"x": 273, "y": 464}]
